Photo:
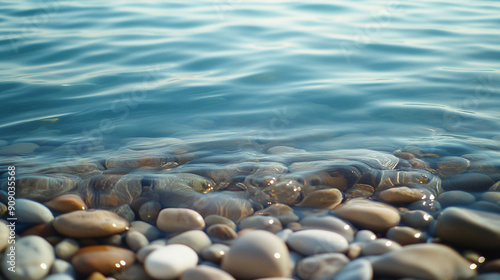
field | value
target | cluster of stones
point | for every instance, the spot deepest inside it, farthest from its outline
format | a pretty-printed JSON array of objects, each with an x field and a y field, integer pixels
[{"x": 102, "y": 221}]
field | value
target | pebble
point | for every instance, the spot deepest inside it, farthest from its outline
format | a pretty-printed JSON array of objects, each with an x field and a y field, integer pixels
[
  {"x": 284, "y": 234},
  {"x": 179, "y": 220},
  {"x": 18, "y": 149},
  {"x": 67, "y": 248},
  {"x": 222, "y": 232},
  {"x": 150, "y": 231},
  {"x": 59, "y": 276},
  {"x": 146, "y": 250},
  {"x": 316, "y": 241},
  {"x": 406, "y": 235},
  {"x": 367, "y": 214},
  {"x": 224, "y": 205},
  {"x": 495, "y": 187},
  {"x": 365, "y": 236},
  {"x": 469, "y": 228},
  {"x": 62, "y": 267},
  {"x": 354, "y": 250},
  {"x": 32, "y": 212},
  {"x": 429, "y": 206},
  {"x": 258, "y": 254},
  {"x": 195, "y": 239},
  {"x": 378, "y": 247},
  {"x": 359, "y": 269},
  {"x": 453, "y": 165},
  {"x": 149, "y": 211},
  {"x": 66, "y": 203},
  {"x": 469, "y": 182},
  {"x": 321, "y": 266},
  {"x": 329, "y": 223},
  {"x": 90, "y": 224},
  {"x": 33, "y": 260},
  {"x": 170, "y": 262},
  {"x": 423, "y": 261},
  {"x": 96, "y": 276},
  {"x": 455, "y": 198},
  {"x": 401, "y": 195},
  {"x": 485, "y": 206},
  {"x": 417, "y": 218},
  {"x": 493, "y": 197},
  {"x": 136, "y": 240},
  {"x": 134, "y": 272},
  {"x": 114, "y": 240},
  {"x": 360, "y": 191},
  {"x": 4, "y": 236},
  {"x": 43, "y": 230},
  {"x": 283, "y": 212},
  {"x": 215, "y": 252},
  {"x": 268, "y": 223},
  {"x": 102, "y": 258},
  {"x": 125, "y": 212},
  {"x": 204, "y": 272},
  {"x": 323, "y": 199},
  {"x": 216, "y": 219},
  {"x": 3, "y": 209}
]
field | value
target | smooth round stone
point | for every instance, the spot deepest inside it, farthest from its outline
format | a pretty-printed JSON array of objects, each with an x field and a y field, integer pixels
[
  {"x": 32, "y": 212},
  {"x": 495, "y": 187},
  {"x": 125, "y": 212},
  {"x": 453, "y": 164},
  {"x": 258, "y": 254},
  {"x": 195, "y": 239},
  {"x": 170, "y": 262},
  {"x": 146, "y": 250},
  {"x": 19, "y": 149},
  {"x": 179, "y": 220},
  {"x": 221, "y": 231},
  {"x": 401, "y": 195},
  {"x": 151, "y": 232},
  {"x": 90, "y": 224},
  {"x": 134, "y": 272},
  {"x": 216, "y": 219},
  {"x": 67, "y": 248},
  {"x": 469, "y": 228},
  {"x": 66, "y": 203},
  {"x": 149, "y": 211},
  {"x": 316, "y": 241},
  {"x": 284, "y": 234},
  {"x": 59, "y": 276},
  {"x": 469, "y": 182},
  {"x": 283, "y": 212},
  {"x": 456, "y": 198},
  {"x": 485, "y": 206},
  {"x": 423, "y": 261},
  {"x": 360, "y": 191},
  {"x": 417, "y": 218},
  {"x": 42, "y": 230},
  {"x": 4, "y": 236},
  {"x": 329, "y": 223},
  {"x": 261, "y": 222},
  {"x": 365, "y": 236},
  {"x": 62, "y": 267},
  {"x": 136, "y": 240},
  {"x": 323, "y": 199},
  {"x": 321, "y": 266},
  {"x": 354, "y": 250},
  {"x": 102, "y": 258},
  {"x": 493, "y": 197},
  {"x": 406, "y": 235},
  {"x": 360, "y": 269},
  {"x": 204, "y": 272},
  {"x": 97, "y": 276},
  {"x": 375, "y": 216},
  {"x": 429, "y": 206},
  {"x": 378, "y": 247},
  {"x": 114, "y": 240},
  {"x": 215, "y": 252},
  {"x": 33, "y": 260}
]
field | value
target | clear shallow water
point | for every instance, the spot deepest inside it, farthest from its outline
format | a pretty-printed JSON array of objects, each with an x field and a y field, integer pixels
[{"x": 319, "y": 75}]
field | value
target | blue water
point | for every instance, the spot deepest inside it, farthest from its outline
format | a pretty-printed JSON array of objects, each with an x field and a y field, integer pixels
[{"x": 320, "y": 75}]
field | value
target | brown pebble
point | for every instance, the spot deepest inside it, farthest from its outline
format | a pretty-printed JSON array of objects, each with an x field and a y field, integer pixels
[
  {"x": 406, "y": 235},
  {"x": 222, "y": 231},
  {"x": 96, "y": 276},
  {"x": 66, "y": 203},
  {"x": 179, "y": 220},
  {"x": 283, "y": 212},
  {"x": 401, "y": 195},
  {"x": 149, "y": 211},
  {"x": 42, "y": 230},
  {"x": 216, "y": 219},
  {"x": 324, "y": 199},
  {"x": 102, "y": 258},
  {"x": 360, "y": 191},
  {"x": 90, "y": 224}
]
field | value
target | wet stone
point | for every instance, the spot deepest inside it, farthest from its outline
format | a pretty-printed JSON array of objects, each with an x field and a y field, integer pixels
[
  {"x": 316, "y": 241},
  {"x": 469, "y": 228},
  {"x": 149, "y": 211},
  {"x": 113, "y": 240},
  {"x": 429, "y": 206},
  {"x": 468, "y": 182},
  {"x": 401, "y": 195},
  {"x": 90, "y": 224},
  {"x": 133, "y": 272},
  {"x": 43, "y": 188},
  {"x": 455, "y": 198},
  {"x": 495, "y": 187},
  {"x": 261, "y": 222},
  {"x": 179, "y": 220},
  {"x": 170, "y": 262},
  {"x": 417, "y": 218},
  {"x": 257, "y": 254},
  {"x": 3, "y": 209},
  {"x": 329, "y": 223},
  {"x": 62, "y": 267},
  {"x": 453, "y": 165},
  {"x": 367, "y": 214},
  {"x": 109, "y": 191},
  {"x": 491, "y": 266},
  {"x": 102, "y": 258},
  {"x": 151, "y": 232},
  {"x": 204, "y": 272},
  {"x": 136, "y": 240},
  {"x": 360, "y": 269},
  {"x": 195, "y": 239},
  {"x": 360, "y": 191},
  {"x": 59, "y": 276},
  {"x": 365, "y": 236},
  {"x": 215, "y": 252},
  {"x": 4, "y": 236},
  {"x": 125, "y": 212},
  {"x": 281, "y": 211},
  {"x": 323, "y": 199},
  {"x": 321, "y": 266},
  {"x": 406, "y": 235},
  {"x": 67, "y": 248},
  {"x": 216, "y": 219},
  {"x": 18, "y": 149},
  {"x": 493, "y": 197},
  {"x": 33, "y": 260},
  {"x": 32, "y": 212},
  {"x": 146, "y": 250},
  {"x": 378, "y": 247},
  {"x": 66, "y": 203},
  {"x": 221, "y": 232}
]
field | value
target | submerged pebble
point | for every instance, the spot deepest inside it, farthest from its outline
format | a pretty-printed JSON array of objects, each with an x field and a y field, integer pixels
[{"x": 321, "y": 266}]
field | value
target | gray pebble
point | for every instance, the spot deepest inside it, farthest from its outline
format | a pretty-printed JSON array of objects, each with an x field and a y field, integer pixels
[
  {"x": 125, "y": 212},
  {"x": 67, "y": 248},
  {"x": 136, "y": 240},
  {"x": 417, "y": 218},
  {"x": 196, "y": 239},
  {"x": 59, "y": 276},
  {"x": 146, "y": 250},
  {"x": 456, "y": 198},
  {"x": 359, "y": 269},
  {"x": 150, "y": 231},
  {"x": 215, "y": 252},
  {"x": 62, "y": 267},
  {"x": 32, "y": 212}
]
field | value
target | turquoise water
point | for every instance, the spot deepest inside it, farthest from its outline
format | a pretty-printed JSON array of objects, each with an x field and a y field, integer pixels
[{"x": 92, "y": 75}]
